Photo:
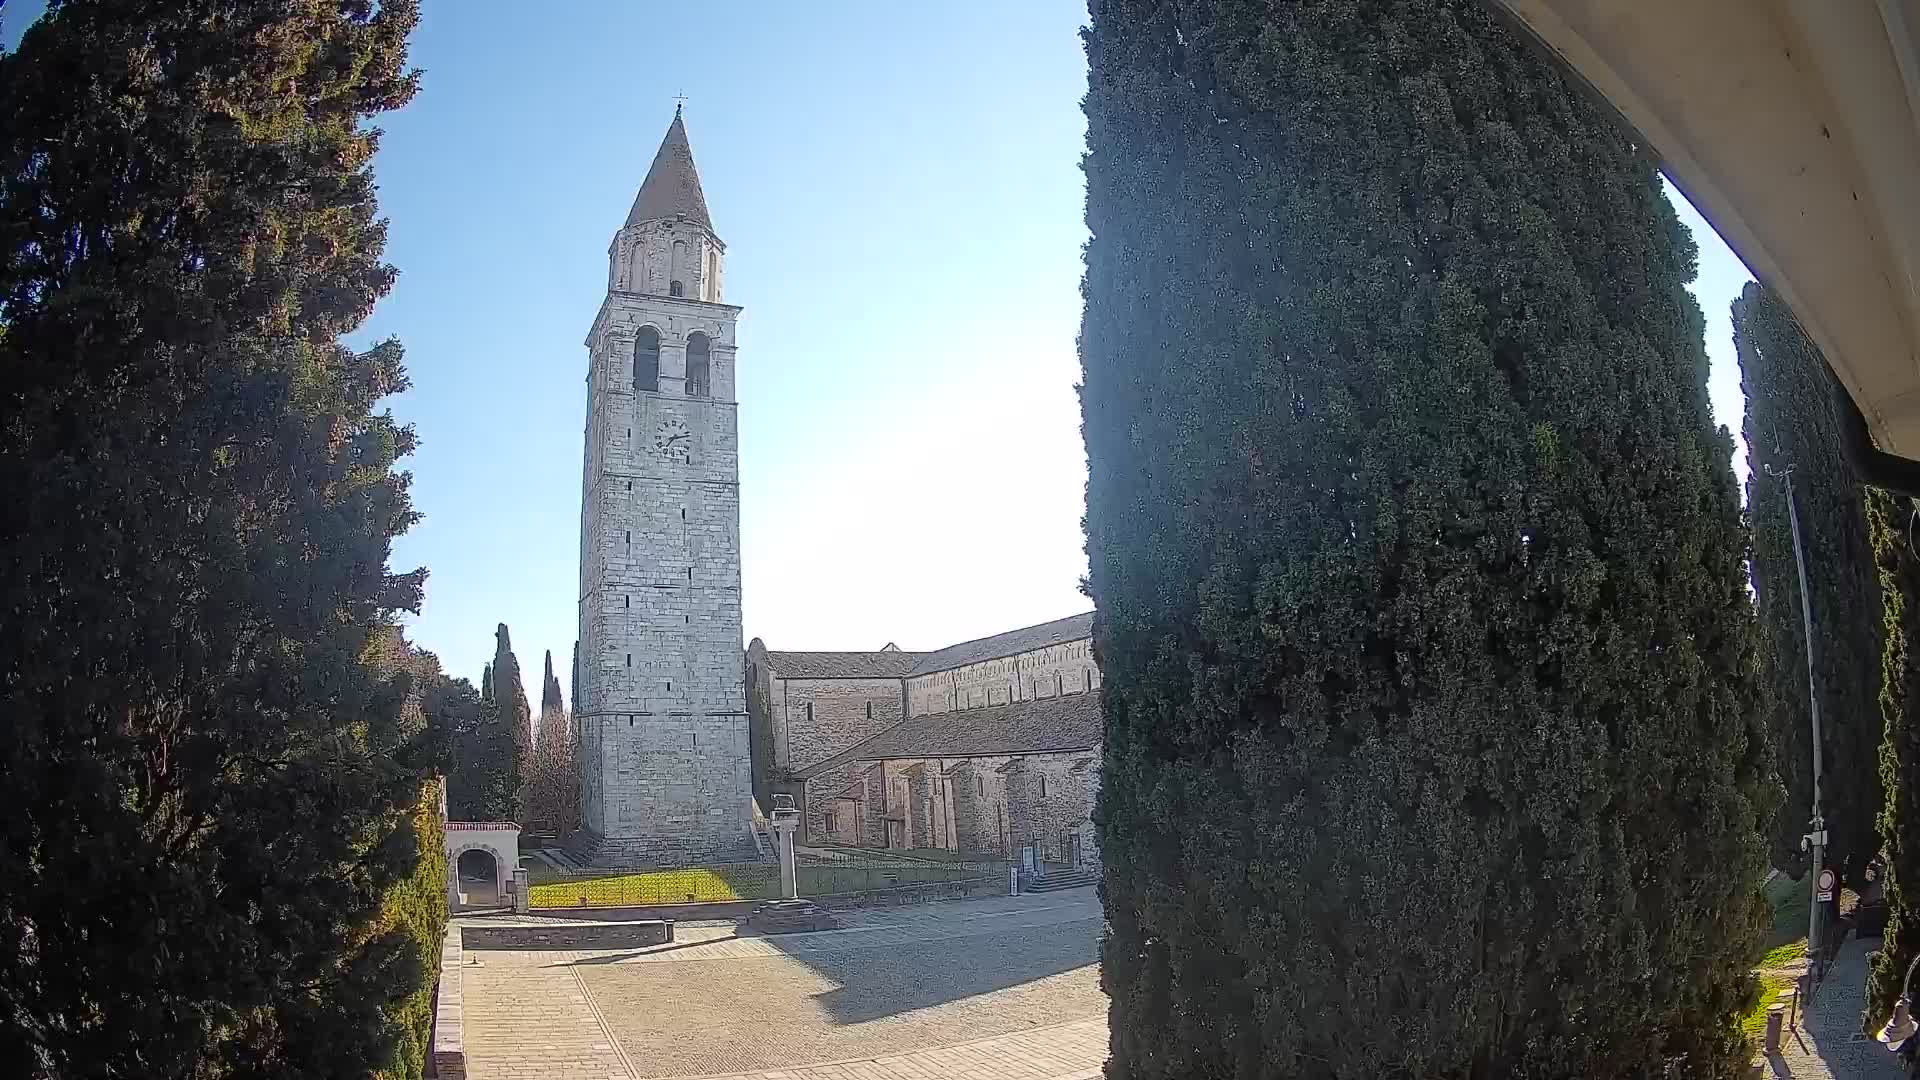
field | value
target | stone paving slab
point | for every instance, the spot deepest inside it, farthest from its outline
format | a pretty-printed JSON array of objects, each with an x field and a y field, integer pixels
[
  {"x": 1070, "y": 1051},
  {"x": 903, "y": 996}
]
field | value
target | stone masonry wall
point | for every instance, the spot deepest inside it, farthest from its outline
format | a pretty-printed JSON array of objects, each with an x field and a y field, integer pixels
[
  {"x": 979, "y": 804},
  {"x": 1042, "y": 673},
  {"x": 1052, "y": 818},
  {"x": 814, "y": 719},
  {"x": 873, "y": 825},
  {"x": 666, "y": 751}
]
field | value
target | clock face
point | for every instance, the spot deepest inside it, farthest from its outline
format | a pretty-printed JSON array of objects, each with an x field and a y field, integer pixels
[{"x": 672, "y": 441}]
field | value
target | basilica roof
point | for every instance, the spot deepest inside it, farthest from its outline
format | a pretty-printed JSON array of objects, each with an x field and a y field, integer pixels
[
  {"x": 672, "y": 186},
  {"x": 1037, "y": 726},
  {"x": 1025, "y": 639},
  {"x": 887, "y": 664}
]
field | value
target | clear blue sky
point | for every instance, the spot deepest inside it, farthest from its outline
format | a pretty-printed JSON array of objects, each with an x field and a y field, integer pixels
[{"x": 899, "y": 188}]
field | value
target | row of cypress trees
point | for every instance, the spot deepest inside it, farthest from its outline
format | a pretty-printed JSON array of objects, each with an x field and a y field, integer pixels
[{"x": 1443, "y": 735}]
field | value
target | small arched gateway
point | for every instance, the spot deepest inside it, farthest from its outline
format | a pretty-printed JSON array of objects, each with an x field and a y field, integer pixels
[{"x": 481, "y": 859}]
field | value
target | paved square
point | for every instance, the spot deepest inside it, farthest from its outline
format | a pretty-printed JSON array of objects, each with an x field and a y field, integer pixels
[{"x": 985, "y": 989}]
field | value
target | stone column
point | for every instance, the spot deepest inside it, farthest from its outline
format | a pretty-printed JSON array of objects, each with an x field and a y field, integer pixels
[
  {"x": 520, "y": 891},
  {"x": 786, "y": 821}
]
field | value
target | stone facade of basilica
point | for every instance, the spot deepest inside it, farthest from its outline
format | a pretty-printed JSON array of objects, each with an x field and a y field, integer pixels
[{"x": 989, "y": 747}]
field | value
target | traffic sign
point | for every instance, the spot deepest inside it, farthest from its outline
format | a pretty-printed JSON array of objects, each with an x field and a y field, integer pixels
[{"x": 1825, "y": 891}]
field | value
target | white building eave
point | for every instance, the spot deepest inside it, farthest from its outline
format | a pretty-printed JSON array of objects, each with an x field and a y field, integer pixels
[{"x": 1794, "y": 127}]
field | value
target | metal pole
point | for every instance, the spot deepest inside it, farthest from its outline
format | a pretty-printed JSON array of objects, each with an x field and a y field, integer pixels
[{"x": 1817, "y": 839}]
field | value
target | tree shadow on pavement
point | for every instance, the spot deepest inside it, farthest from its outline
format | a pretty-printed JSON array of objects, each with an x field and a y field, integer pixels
[{"x": 901, "y": 977}]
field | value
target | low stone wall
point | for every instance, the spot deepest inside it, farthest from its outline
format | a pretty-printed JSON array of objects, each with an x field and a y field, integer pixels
[
  {"x": 586, "y": 935},
  {"x": 449, "y": 1060},
  {"x": 918, "y": 893}
]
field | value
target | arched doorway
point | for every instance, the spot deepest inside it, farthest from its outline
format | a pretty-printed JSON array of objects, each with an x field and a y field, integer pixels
[
  {"x": 482, "y": 857},
  {"x": 479, "y": 875}
]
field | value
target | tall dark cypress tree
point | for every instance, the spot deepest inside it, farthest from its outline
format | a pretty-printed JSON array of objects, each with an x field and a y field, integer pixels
[
  {"x": 1791, "y": 423},
  {"x": 486, "y": 684},
  {"x": 1433, "y": 740},
  {"x": 510, "y": 705},
  {"x": 552, "y": 708},
  {"x": 210, "y": 785}
]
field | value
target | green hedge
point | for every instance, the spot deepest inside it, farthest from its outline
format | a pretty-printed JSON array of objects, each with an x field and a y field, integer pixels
[{"x": 418, "y": 906}]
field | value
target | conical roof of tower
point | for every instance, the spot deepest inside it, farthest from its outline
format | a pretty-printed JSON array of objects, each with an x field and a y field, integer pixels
[{"x": 672, "y": 187}]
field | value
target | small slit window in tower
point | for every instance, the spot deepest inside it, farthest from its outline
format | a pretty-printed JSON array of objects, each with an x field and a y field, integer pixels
[
  {"x": 669, "y": 686},
  {"x": 699, "y": 379},
  {"x": 646, "y": 361},
  {"x": 1043, "y": 787},
  {"x": 626, "y": 601},
  {"x": 869, "y": 710},
  {"x": 1059, "y": 684},
  {"x": 809, "y": 712},
  {"x": 676, "y": 289},
  {"x": 629, "y": 659},
  {"x": 629, "y": 536},
  {"x": 982, "y": 782}
]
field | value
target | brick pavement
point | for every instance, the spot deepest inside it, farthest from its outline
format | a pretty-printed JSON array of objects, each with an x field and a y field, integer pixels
[
  {"x": 902, "y": 995},
  {"x": 1071, "y": 1051}
]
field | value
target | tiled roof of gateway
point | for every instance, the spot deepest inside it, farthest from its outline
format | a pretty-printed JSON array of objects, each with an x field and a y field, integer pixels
[
  {"x": 1039, "y": 726},
  {"x": 891, "y": 664},
  {"x": 1071, "y": 628}
]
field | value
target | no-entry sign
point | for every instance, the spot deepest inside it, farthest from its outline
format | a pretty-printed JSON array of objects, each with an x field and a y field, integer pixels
[{"x": 1825, "y": 891}]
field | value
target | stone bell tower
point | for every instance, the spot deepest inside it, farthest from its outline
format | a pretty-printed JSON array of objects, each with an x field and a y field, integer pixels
[{"x": 661, "y": 709}]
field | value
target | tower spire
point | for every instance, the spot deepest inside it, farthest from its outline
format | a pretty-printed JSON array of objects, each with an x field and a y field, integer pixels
[{"x": 672, "y": 186}]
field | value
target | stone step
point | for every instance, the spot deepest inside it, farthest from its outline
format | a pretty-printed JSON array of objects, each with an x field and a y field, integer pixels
[{"x": 1062, "y": 879}]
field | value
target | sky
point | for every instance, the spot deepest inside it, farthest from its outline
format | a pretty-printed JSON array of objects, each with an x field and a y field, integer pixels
[{"x": 899, "y": 189}]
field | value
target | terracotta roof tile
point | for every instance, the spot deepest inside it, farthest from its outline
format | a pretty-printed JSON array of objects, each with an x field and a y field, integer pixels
[
  {"x": 889, "y": 664},
  {"x": 1039, "y": 726},
  {"x": 1025, "y": 639}
]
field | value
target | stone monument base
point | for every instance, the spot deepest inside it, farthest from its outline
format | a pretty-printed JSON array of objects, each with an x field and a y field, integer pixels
[{"x": 790, "y": 917}]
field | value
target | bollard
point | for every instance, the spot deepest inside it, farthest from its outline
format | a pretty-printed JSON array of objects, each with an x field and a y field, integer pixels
[
  {"x": 669, "y": 931},
  {"x": 1776, "y": 1015}
]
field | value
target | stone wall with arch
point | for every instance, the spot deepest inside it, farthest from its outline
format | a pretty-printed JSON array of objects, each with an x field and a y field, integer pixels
[{"x": 500, "y": 839}]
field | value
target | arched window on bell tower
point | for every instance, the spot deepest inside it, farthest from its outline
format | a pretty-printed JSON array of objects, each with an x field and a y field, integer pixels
[
  {"x": 646, "y": 360},
  {"x": 699, "y": 377}
]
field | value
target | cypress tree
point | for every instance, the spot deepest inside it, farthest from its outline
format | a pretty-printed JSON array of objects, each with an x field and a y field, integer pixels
[
  {"x": 552, "y": 708},
  {"x": 1432, "y": 739},
  {"x": 1895, "y": 529},
  {"x": 211, "y": 783},
  {"x": 515, "y": 718},
  {"x": 480, "y": 781},
  {"x": 486, "y": 684},
  {"x": 1791, "y": 423}
]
